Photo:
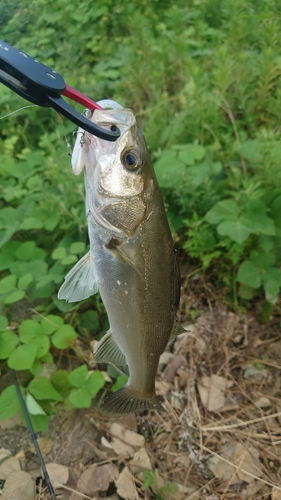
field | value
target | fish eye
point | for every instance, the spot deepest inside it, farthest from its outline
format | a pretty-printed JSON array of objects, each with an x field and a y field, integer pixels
[{"x": 130, "y": 160}]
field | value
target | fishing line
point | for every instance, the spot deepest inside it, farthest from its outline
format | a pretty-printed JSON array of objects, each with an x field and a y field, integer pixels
[
  {"x": 17, "y": 110},
  {"x": 68, "y": 145},
  {"x": 33, "y": 436}
]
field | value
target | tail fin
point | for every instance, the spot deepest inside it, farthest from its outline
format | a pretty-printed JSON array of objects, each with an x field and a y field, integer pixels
[{"x": 123, "y": 402}]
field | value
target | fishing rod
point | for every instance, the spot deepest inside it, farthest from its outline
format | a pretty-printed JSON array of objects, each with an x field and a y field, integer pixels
[{"x": 33, "y": 436}]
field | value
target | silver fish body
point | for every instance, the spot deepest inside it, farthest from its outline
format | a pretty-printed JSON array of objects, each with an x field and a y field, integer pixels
[{"x": 131, "y": 260}]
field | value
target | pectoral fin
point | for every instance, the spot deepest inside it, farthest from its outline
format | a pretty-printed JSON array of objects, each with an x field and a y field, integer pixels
[
  {"x": 108, "y": 351},
  {"x": 80, "y": 283}
]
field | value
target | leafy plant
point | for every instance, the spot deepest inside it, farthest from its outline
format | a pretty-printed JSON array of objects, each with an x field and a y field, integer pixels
[
  {"x": 29, "y": 348},
  {"x": 152, "y": 479}
]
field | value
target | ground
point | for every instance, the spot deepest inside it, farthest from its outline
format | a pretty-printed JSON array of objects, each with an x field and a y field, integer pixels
[{"x": 220, "y": 437}]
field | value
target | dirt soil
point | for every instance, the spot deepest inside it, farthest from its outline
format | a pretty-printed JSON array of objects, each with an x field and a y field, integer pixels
[{"x": 220, "y": 437}]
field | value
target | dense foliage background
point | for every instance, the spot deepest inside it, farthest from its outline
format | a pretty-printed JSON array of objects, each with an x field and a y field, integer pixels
[{"x": 204, "y": 80}]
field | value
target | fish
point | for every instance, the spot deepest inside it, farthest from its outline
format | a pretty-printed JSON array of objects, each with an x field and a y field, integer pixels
[{"x": 132, "y": 259}]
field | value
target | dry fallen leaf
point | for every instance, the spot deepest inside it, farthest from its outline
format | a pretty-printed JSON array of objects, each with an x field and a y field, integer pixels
[
  {"x": 183, "y": 377},
  {"x": 124, "y": 440},
  {"x": 58, "y": 474},
  {"x": 212, "y": 391},
  {"x": 140, "y": 461},
  {"x": 97, "y": 478},
  {"x": 244, "y": 458},
  {"x": 183, "y": 459},
  {"x": 255, "y": 373},
  {"x": 4, "y": 453},
  {"x": 247, "y": 458},
  {"x": 19, "y": 485},
  {"x": 162, "y": 387},
  {"x": 276, "y": 494},
  {"x": 251, "y": 489},
  {"x": 10, "y": 465},
  {"x": 45, "y": 444},
  {"x": 126, "y": 485},
  {"x": 164, "y": 359},
  {"x": 9, "y": 423}
]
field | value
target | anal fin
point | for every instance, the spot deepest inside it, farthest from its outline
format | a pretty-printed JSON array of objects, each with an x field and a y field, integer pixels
[
  {"x": 124, "y": 402},
  {"x": 108, "y": 351},
  {"x": 80, "y": 283}
]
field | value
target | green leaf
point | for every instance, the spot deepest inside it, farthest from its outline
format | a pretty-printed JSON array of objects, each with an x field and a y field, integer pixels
[
  {"x": 51, "y": 323},
  {"x": 59, "y": 253},
  {"x": 29, "y": 330},
  {"x": 37, "y": 368},
  {"x": 3, "y": 324},
  {"x": 169, "y": 170},
  {"x": 8, "y": 342},
  {"x": 225, "y": 209},
  {"x": 249, "y": 274},
  {"x": 95, "y": 382},
  {"x": 37, "y": 268},
  {"x": 199, "y": 174},
  {"x": 77, "y": 248},
  {"x": 15, "y": 297},
  {"x": 39, "y": 422},
  {"x": 120, "y": 382},
  {"x": 52, "y": 221},
  {"x": 246, "y": 292},
  {"x": 5, "y": 261},
  {"x": 60, "y": 381},
  {"x": 190, "y": 153},
  {"x": 29, "y": 251},
  {"x": 8, "y": 233},
  {"x": 266, "y": 242},
  {"x": 43, "y": 343},
  {"x": 90, "y": 320},
  {"x": 48, "y": 358},
  {"x": 23, "y": 357},
  {"x": 271, "y": 280},
  {"x": 9, "y": 403},
  {"x": 42, "y": 388},
  {"x": 276, "y": 214},
  {"x": 31, "y": 223},
  {"x": 78, "y": 376},
  {"x": 251, "y": 150},
  {"x": 25, "y": 281},
  {"x": 64, "y": 337},
  {"x": 235, "y": 229},
  {"x": 80, "y": 398},
  {"x": 258, "y": 270},
  {"x": 8, "y": 216},
  {"x": 8, "y": 283},
  {"x": 33, "y": 407},
  {"x": 254, "y": 215},
  {"x": 70, "y": 259}
]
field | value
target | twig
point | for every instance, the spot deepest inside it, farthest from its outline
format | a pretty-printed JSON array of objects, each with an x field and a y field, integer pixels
[{"x": 240, "y": 424}]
